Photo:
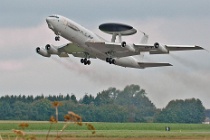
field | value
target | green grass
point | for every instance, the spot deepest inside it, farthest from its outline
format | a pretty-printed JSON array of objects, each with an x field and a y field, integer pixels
[
  {"x": 33, "y": 125},
  {"x": 123, "y": 130}
]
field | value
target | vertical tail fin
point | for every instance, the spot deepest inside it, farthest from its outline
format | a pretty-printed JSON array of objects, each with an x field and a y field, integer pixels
[{"x": 144, "y": 39}]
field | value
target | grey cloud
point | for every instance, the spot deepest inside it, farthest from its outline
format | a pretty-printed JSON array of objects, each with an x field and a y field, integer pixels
[
  {"x": 174, "y": 22},
  {"x": 29, "y": 12}
]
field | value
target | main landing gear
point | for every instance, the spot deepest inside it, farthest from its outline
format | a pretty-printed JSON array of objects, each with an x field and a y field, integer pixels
[
  {"x": 57, "y": 38},
  {"x": 110, "y": 60},
  {"x": 85, "y": 61}
]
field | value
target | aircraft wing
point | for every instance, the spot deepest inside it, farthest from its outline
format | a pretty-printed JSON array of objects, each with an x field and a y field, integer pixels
[
  {"x": 117, "y": 50},
  {"x": 165, "y": 49},
  {"x": 110, "y": 47},
  {"x": 75, "y": 50}
]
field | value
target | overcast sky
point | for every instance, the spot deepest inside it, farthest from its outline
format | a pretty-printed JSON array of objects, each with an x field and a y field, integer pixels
[{"x": 23, "y": 28}]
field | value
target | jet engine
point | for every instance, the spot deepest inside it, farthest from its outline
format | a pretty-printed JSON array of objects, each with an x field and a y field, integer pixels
[
  {"x": 161, "y": 48},
  {"x": 42, "y": 52},
  {"x": 52, "y": 49},
  {"x": 128, "y": 47},
  {"x": 126, "y": 62}
]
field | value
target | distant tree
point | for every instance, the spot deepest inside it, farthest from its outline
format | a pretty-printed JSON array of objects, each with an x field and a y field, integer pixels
[
  {"x": 12, "y": 99},
  {"x": 39, "y": 97},
  {"x": 20, "y": 110},
  {"x": 60, "y": 97},
  {"x": 23, "y": 99},
  {"x": 110, "y": 113},
  {"x": 182, "y": 111},
  {"x": 30, "y": 99},
  {"x": 87, "y": 99},
  {"x": 5, "y": 111},
  {"x": 41, "y": 110},
  {"x": 106, "y": 97},
  {"x": 73, "y": 98},
  {"x": 128, "y": 105},
  {"x": 67, "y": 97},
  {"x": 88, "y": 112},
  {"x": 128, "y": 95},
  {"x": 138, "y": 105}
]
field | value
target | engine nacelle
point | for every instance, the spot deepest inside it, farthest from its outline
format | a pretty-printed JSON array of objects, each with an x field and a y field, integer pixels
[
  {"x": 52, "y": 49},
  {"x": 42, "y": 52},
  {"x": 128, "y": 47},
  {"x": 161, "y": 48},
  {"x": 126, "y": 62}
]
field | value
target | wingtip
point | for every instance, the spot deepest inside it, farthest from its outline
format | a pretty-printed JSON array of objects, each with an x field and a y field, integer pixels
[
  {"x": 201, "y": 48},
  {"x": 167, "y": 64},
  {"x": 170, "y": 64}
]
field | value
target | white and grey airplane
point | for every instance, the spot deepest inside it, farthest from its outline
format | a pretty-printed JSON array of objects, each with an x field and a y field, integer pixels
[{"x": 87, "y": 45}]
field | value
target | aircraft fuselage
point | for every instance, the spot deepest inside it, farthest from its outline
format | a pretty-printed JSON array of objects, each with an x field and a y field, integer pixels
[{"x": 78, "y": 34}]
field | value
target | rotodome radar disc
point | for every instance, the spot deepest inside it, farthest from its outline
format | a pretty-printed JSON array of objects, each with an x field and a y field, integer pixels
[{"x": 117, "y": 28}]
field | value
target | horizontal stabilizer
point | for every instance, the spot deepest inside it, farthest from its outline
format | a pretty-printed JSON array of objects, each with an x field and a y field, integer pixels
[
  {"x": 183, "y": 48},
  {"x": 147, "y": 64}
]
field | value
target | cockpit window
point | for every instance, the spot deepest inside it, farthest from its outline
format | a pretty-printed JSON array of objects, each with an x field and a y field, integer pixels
[{"x": 54, "y": 16}]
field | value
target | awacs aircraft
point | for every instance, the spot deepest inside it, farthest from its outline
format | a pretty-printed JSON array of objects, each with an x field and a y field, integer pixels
[{"x": 87, "y": 45}]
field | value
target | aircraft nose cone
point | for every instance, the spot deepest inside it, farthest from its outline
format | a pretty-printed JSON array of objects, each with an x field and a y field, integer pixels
[
  {"x": 49, "y": 22},
  {"x": 47, "y": 19}
]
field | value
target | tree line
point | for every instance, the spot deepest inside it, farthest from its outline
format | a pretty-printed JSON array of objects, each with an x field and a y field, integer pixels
[{"x": 112, "y": 105}]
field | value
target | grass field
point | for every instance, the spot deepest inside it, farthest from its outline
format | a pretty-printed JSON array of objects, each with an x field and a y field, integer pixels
[{"x": 115, "y": 131}]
